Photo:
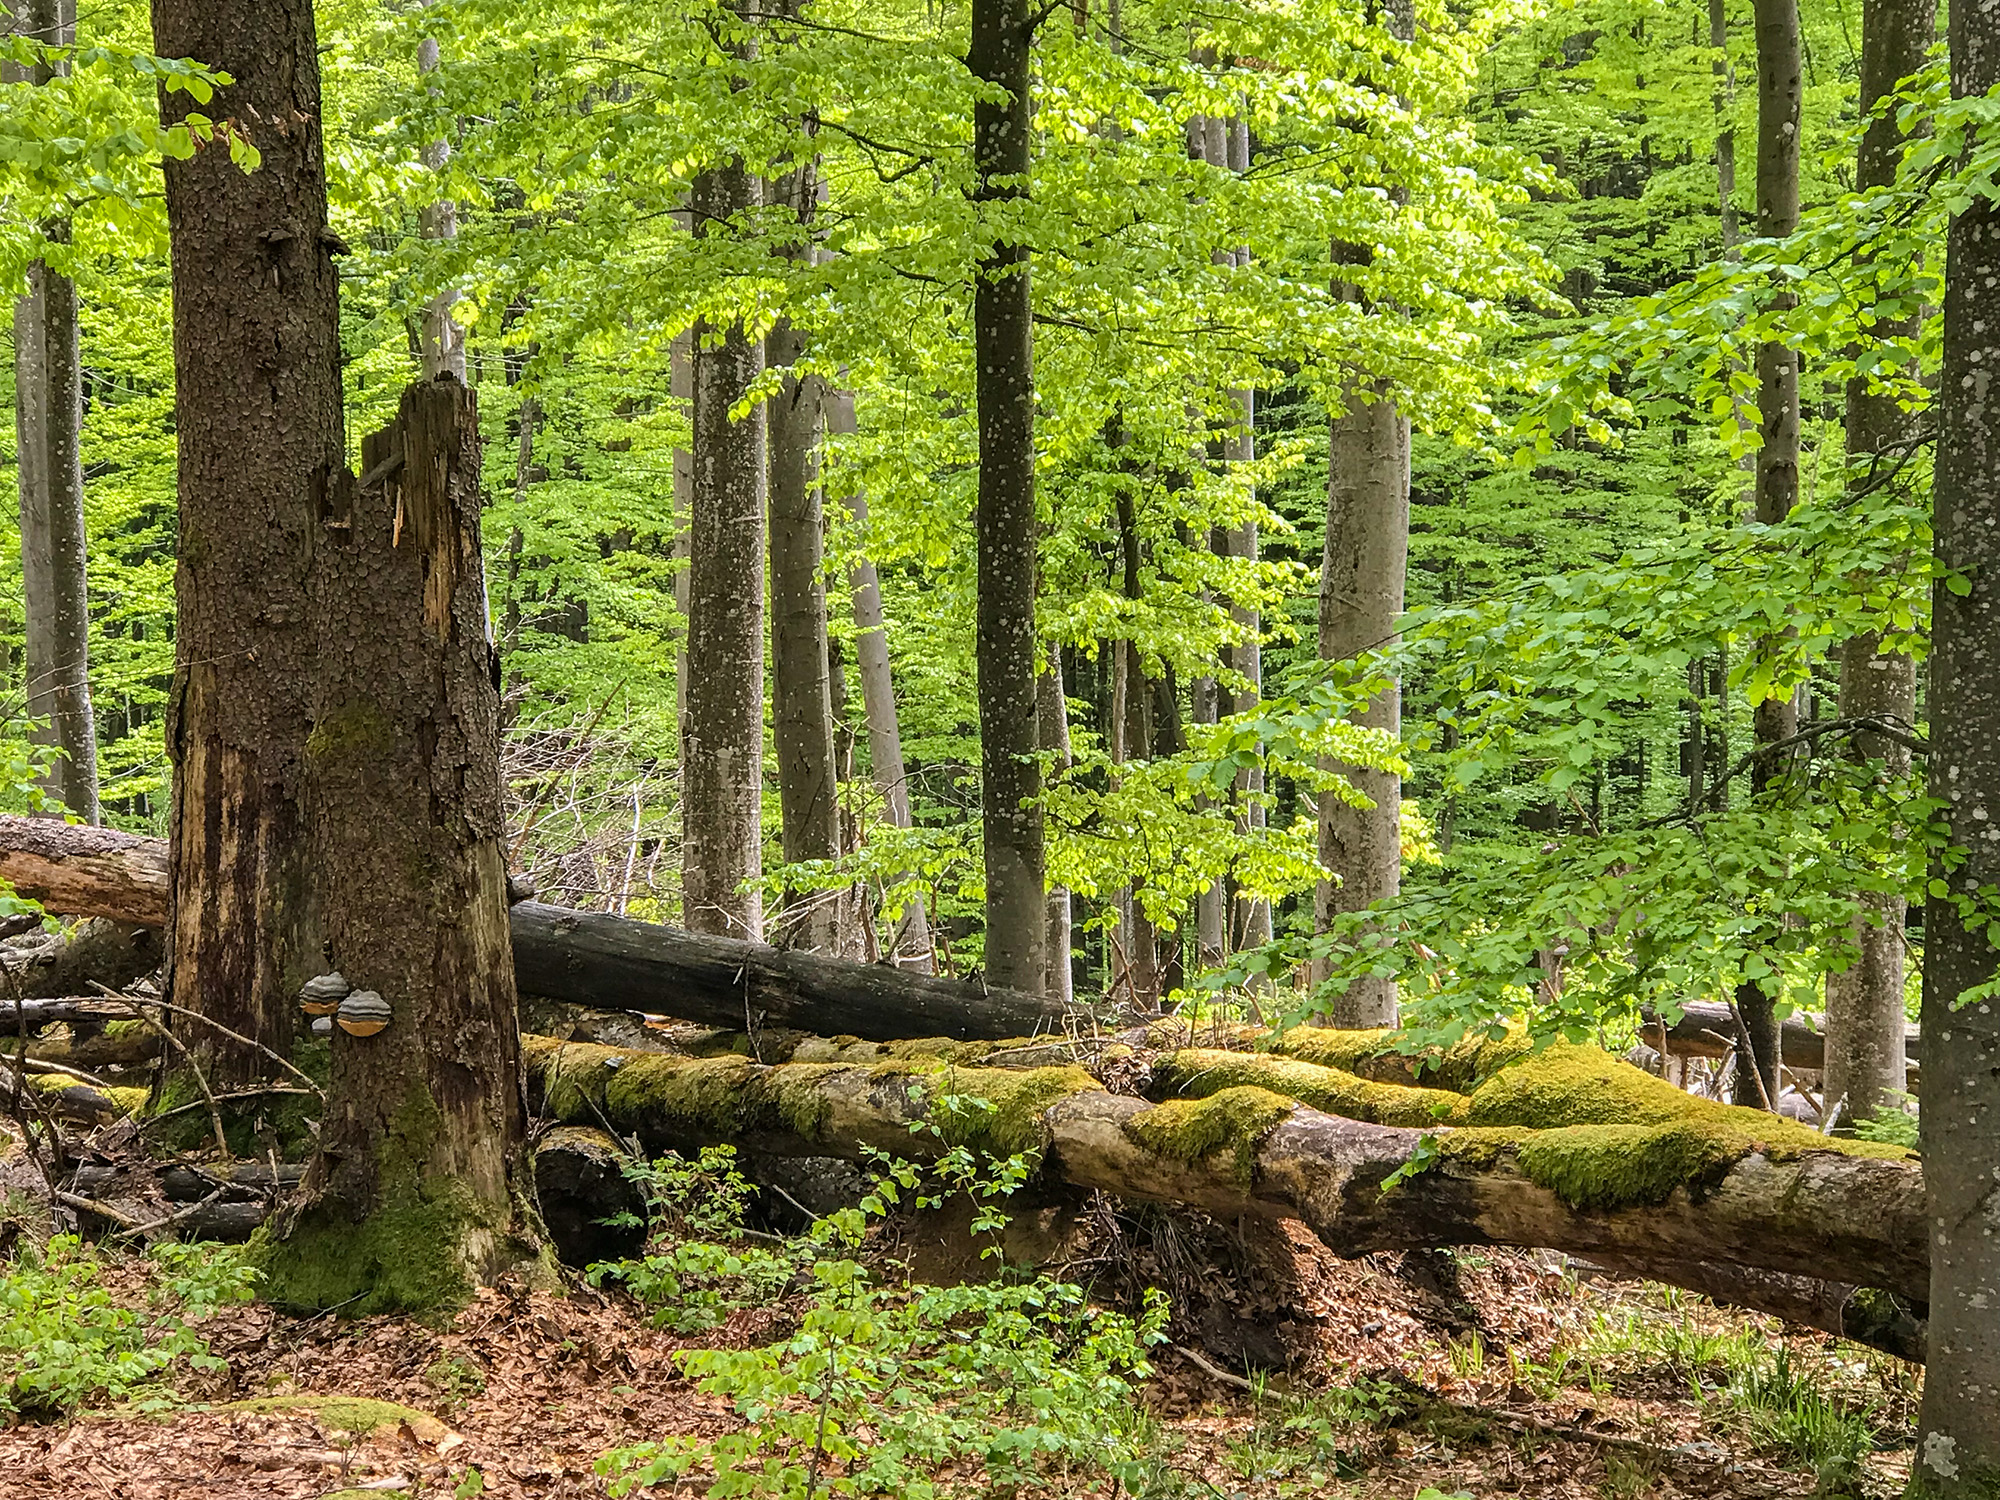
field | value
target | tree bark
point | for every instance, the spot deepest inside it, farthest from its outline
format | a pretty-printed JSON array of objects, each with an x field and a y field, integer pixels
[
  {"x": 258, "y": 419},
  {"x": 592, "y": 958},
  {"x": 412, "y": 1200},
  {"x": 1008, "y": 533},
  {"x": 1820, "y": 1214},
  {"x": 1137, "y": 972},
  {"x": 801, "y": 683},
  {"x": 910, "y": 937},
  {"x": 443, "y": 341},
  {"x": 722, "y": 737},
  {"x": 48, "y": 396},
  {"x": 1958, "y": 1445},
  {"x": 1053, "y": 709},
  {"x": 1780, "y": 65},
  {"x": 1360, "y": 599},
  {"x": 1864, "y": 1006}
]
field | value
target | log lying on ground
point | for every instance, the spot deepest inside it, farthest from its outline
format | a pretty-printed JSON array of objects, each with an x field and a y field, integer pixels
[
  {"x": 587, "y": 957},
  {"x": 1707, "y": 1029},
  {"x": 1710, "y": 1185},
  {"x": 112, "y": 953}
]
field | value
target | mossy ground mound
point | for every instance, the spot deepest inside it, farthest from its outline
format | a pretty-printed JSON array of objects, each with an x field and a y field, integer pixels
[{"x": 356, "y": 1415}]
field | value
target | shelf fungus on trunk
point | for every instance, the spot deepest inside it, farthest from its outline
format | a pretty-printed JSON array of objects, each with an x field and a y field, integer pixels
[
  {"x": 363, "y": 1013},
  {"x": 323, "y": 993}
]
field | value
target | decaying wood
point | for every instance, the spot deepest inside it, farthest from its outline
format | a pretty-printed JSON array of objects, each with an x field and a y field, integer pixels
[
  {"x": 1707, "y": 1029},
  {"x": 113, "y": 953},
  {"x": 588, "y": 957},
  {"x": 1821, "y": 1214}
]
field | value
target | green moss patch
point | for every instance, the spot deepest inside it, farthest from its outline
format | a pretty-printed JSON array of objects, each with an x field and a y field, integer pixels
[
  {"x": 1019, "y": 1097},
  {"x": 1236, "y": 1120},
  {"x": 1373, "y": 1054},
  {"x": 1199, "y": 1072}
]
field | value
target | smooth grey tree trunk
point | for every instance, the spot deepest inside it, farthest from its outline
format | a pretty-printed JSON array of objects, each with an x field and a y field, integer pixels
[
  {"x": 1958, "y": 1436},
  {"x": 801, "y": 679},
  {"x": 722, "y": 735},
  {"x": 1206, "y": 143},
  {"x": 1054, "y": 711},
  {"x": 48, "y": 394},
  {"x": 258, "y": 425},
  {"x": 442, "y": 340},
  {"x": 1865, "y": 1018},
  {"x": 910, "y": 938},
  {"x": 1362, "y": 573},
  {"x": 680, "y": 390},
  {"x": 1780, "y": 69},
  {"x": 1008, "y": 534},
  {"x": 1136, "y": 965}
]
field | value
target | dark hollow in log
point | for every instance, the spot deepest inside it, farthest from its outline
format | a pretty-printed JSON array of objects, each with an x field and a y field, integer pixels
[
  {"x": 588, "y": 957},
  {"x": 581, "y": 1184}
]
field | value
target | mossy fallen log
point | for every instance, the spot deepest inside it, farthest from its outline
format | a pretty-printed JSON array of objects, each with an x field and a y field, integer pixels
[{"x": 1694, "y": 1183}]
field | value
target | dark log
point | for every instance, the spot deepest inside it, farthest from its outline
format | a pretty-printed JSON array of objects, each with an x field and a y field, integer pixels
[
  {"x": 112, "y": 953},
  {"x": 1706, "y": 1029},
  {"x": 580, "y": 1183},
  {"x": 588, "y": 957}
]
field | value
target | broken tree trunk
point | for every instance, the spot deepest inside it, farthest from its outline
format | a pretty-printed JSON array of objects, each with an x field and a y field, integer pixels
[
  {"x": 587, "y": 957},
  {"x": 1693, "y": 1189},
  {"x": 1706, "y": 1029},
  {"x": 111, "y": 953}
]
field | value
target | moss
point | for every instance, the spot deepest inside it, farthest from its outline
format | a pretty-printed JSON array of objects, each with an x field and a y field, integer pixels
[
  {"x": 1200, "y": 1071},
  {"x": 1019, "y": 1098},
  {"x": 355, "y": 730},
  {"x": 125, "y": 1101},
  {"x": 1193, "y": 1130},
  {"x": 121, "y": 1029},
  {"x": 1566, "y": 1085},
  {"x": 355, "y": 1414},
  {"x": 287, "y": 1122},
  {"x": 1373, "y": 1054}
]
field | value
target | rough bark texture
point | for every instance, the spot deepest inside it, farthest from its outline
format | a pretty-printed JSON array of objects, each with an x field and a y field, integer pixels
[
  {"x": 100, "y": 950},
  {"x": 1864, "y": 1006},
  {"x": 86, "y": 872},
  {"x": 1958, "y": 1445},
  {"x": 1360, "y": 598},
  {"x": 1003, "y": 352},
  {"x": 910, "y": 935},
  {"x": 257, "y": 413},
  {"x": 412, "y": 1199},
  {"x": 801, "y": 682},
  {"x": 722, "y": 735},
  {"x": 1780, "y": 66}
]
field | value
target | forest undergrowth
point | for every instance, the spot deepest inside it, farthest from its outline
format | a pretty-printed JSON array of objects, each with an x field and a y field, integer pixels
[{"x": 727, "y": 1359}]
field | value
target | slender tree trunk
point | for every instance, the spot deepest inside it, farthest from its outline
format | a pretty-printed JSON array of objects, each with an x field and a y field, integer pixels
[
  {"x": 1132, "y": 739},
  {"x": 1780, "y": 66},
  {"x": 722, "y": 739},
  {"x": 442, "y": 339},
  {"x": 680, "y": 390},
  {"x": 415, "y": 1197},
  {"x": 1003, "y": 354},
  {"x": 801, "y": 682},
  {"x": 910, "y": 940},
  {"x": 1205, "y": 143},
  {"x": 1053, "y": 708},
  {"x": 48, "y": 395},
  {"x": 1864, "y": 1007},
  {"x": 1724, "y": 104},
  {"x": 1958, "y": 1441},
  {"x": 258, "y": 420}
]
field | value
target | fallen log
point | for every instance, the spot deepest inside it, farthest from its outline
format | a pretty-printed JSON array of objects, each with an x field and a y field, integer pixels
[
  {"x": 1707, "y": 1028},
  {"x": 585, "y": 957},
  {"x": 1737, "y": 1187},
  {"x": 112, "y": 953}
]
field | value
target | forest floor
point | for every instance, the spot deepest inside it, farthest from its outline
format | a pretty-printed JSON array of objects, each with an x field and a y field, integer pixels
[{"x": 1475, "y": 1374}]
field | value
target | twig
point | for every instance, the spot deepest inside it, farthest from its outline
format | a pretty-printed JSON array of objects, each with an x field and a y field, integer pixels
[
  {"x": 200, "y": 1081},
  {"x": 235, "y": 1036},
  {"x": 180, "y": 1109},
  {"x": 102, "y": 1210},
  {"x": 1208, "y": 1369}
]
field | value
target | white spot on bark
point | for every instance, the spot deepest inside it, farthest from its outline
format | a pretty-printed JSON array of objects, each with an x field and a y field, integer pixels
[{"x": 1941, "y": 1454}]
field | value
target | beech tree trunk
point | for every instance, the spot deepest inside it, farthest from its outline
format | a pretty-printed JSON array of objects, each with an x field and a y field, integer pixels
[
  {"x": 258, "y": 421},
  {"x": 48, "y": 409},
  {"x": 1136, "y": 971},
  {"x": 1360, "y": 598},
  {"x": 722, "y": 736},
  {"x": 801, "y": 680},
  {"x": 910, "y": 933},
  {"x": 1864, "y": 1006},
  {"x": 1206, "y": 143},
  {"x": 411, "y": 1201},
  {"x": 1053, "y": 708},
  {"x": 1003, "y": 355},
  {"x": 1780, "y": 65},
  {"x": 442, "y": 340},
  {"x": 1958, "y": 1443}
]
